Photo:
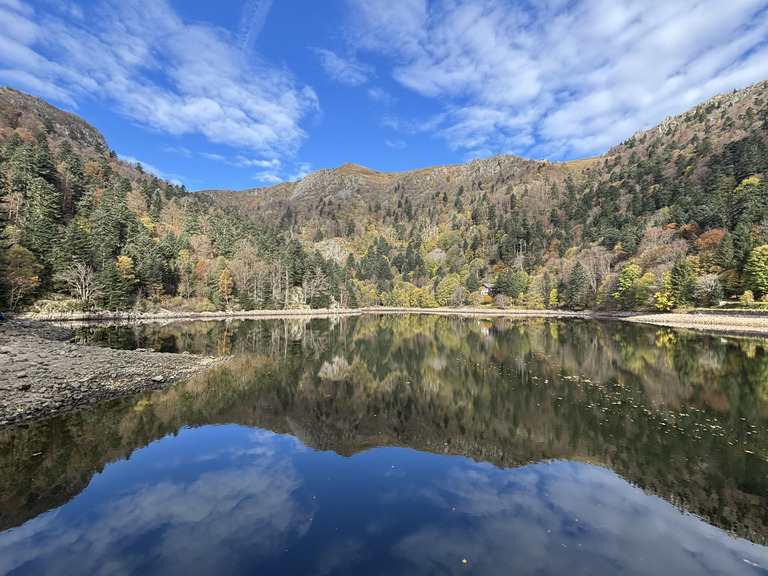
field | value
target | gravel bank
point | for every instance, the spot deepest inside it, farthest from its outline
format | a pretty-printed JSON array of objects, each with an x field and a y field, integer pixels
[
  {"x": 750, "y": 324},
  {"x": 42, "y": 373}
]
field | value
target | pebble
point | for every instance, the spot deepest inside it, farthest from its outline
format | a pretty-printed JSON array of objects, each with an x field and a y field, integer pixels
[{"x": 74, "y": 374}]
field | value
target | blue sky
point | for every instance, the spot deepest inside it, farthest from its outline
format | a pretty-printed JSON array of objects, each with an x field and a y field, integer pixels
[{"x": 245, "y": 94}]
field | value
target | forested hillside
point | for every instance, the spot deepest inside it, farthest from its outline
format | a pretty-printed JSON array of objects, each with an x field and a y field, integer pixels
[{"x": 675, "y": 216}]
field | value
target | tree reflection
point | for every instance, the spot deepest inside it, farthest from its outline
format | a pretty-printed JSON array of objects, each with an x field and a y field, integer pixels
[{"x": 680, "y": 414}]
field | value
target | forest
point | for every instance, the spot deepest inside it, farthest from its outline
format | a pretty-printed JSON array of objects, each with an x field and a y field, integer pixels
[{"x": 674, "y": 217}]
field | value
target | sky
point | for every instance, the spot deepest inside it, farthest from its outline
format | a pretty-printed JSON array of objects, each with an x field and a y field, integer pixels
[{"x": 243, "y": 94}]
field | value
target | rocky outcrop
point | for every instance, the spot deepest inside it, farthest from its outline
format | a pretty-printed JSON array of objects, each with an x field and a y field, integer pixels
[{"x": 36, "y": 115}]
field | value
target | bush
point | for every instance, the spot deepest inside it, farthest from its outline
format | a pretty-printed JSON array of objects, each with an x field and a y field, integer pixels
[{"x": 205, "y": 306}]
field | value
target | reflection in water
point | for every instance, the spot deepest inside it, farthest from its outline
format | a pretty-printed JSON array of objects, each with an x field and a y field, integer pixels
[
  {"x": 680, "y": 415},
  {"x": 227, "y": 500}
]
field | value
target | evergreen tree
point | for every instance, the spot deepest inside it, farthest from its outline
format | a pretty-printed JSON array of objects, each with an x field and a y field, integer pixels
[
  {"x": 725, "y": 252},
  {"x": 578, "y": 287},
  {"x": 41, "y": 214},
  {"x": 472, "y": 283},
  {"x": 115, "y": 287},
  {"x": 756, "y": 271},
  {"x": 682, "y": 281},
  {"x": 73, "y": 246}
]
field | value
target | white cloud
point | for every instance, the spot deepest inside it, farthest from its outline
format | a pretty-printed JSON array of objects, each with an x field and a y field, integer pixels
[
  {"x": 150, "y": 169},
  {"x": 563, "y": 518},
  {"x": 253, "y": 19},
  {"x": 561, "y": 79},
  {"x": 243, "y": 162},
  {"x": 301, "y": 170},
  {"x": 268, "y": 177},
  {"x": 381, "y": 96},
  {"x": 242, "y": 498},
  {"x": 344, "y": 70},
  {"x": 164, "y": 73}
]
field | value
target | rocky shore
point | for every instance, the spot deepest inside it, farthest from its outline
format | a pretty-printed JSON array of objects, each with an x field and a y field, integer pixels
[
  {"x": 720, "y": 322},
  {"x": 42, "y": 372}
]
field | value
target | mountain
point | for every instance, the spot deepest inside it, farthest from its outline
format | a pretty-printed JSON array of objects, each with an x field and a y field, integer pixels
[
  {"x": 23, "y": 113},
  {"x": 675, "y": 216}
]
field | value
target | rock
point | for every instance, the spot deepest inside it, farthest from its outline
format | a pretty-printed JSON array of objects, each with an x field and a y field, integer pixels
[
  {"x": 24, "y": 387},
  {"x": 21, "y": 374},
  {"x": 158, "y": 378}
]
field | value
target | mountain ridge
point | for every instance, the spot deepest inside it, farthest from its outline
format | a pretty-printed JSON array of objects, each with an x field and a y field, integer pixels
[
  {"x": 51, "y": 119},
  {"x": 569, "y": 234}
]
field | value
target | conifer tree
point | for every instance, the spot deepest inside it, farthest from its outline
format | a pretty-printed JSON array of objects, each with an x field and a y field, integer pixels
[
  {"x": 42, "y": 212},
  {"x": 682, "y": 281},
  {"x": 578, "y": 287}
]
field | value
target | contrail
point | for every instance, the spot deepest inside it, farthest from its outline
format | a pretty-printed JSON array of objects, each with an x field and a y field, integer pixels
[{"x": 252, "y": 21}]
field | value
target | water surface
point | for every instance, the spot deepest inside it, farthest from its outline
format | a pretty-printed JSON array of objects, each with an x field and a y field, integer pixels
[{"x": 406, "y": 445}]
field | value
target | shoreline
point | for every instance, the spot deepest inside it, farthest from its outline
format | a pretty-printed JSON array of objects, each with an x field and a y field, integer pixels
[
  {"x": 43, "y": 372},
  {"x": 734, "y": 322}
]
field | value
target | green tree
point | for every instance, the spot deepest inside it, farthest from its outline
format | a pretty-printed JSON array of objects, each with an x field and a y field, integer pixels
[
  {"x": 42, "y": 212},
  {"x": 446, "y": 289},
  {"x": 578, "y": 288},
  {"x": 756, "y": 271},
  {"x": 473, "y": 282},
  {"x": 625, "y": 288},
  {"x": 725, "y": 252},
  {"x": 115, "y": 287},
  {"x": 21, "y": 272},
  {"x": 682, "y": 281}
]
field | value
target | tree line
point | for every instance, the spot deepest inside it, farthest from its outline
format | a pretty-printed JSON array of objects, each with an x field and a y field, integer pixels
[{"x": 669, "y": 219}]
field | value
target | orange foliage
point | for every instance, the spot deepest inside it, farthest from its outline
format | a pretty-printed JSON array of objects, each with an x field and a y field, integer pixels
[
  {"x": 709, "y": 241},
  {"x": 689, "y": 231}
]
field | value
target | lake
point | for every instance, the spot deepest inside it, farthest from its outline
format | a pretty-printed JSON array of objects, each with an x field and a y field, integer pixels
[{"x": 405, "y": 444}]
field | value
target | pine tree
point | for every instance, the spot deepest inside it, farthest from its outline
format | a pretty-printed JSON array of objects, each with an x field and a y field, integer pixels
[
  {"x": 41, "y": 214},
  {"x": 115, "y": 287},
  {"x": 578, "y": 287},
  {"x": 756, "y": 271},
  {"x": 682, "y": 280}
]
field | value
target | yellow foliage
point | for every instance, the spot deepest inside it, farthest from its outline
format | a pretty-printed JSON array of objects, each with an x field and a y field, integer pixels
[
  {"x": 124, "y": 266},
  {"x": 148, "y": 224}
]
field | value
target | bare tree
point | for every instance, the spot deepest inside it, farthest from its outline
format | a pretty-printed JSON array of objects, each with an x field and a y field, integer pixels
[
  {"x": 317, "y": 285},
  {"x": 597, "y": 262},
  {"x": 82, "y": 281}
]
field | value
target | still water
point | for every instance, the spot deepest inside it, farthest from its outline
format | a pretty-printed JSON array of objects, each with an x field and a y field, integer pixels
[{"x": 406, "y": 445}]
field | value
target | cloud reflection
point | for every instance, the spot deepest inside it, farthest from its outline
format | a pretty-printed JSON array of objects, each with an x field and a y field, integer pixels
[
  {"x": 567, "y": 518},
  {"x": 244, "y": 501}
]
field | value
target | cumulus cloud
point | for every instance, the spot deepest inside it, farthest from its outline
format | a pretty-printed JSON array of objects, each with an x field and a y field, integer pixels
[
  {"x": 561, "y": 79},
  {"x": 158, "y": 70}
]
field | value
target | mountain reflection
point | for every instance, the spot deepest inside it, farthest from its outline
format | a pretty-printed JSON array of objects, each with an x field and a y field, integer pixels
[{"x": 679, "y": 414}]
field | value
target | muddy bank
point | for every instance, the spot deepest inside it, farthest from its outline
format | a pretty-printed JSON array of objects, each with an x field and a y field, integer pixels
[{"x": 42, "y": 372}]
